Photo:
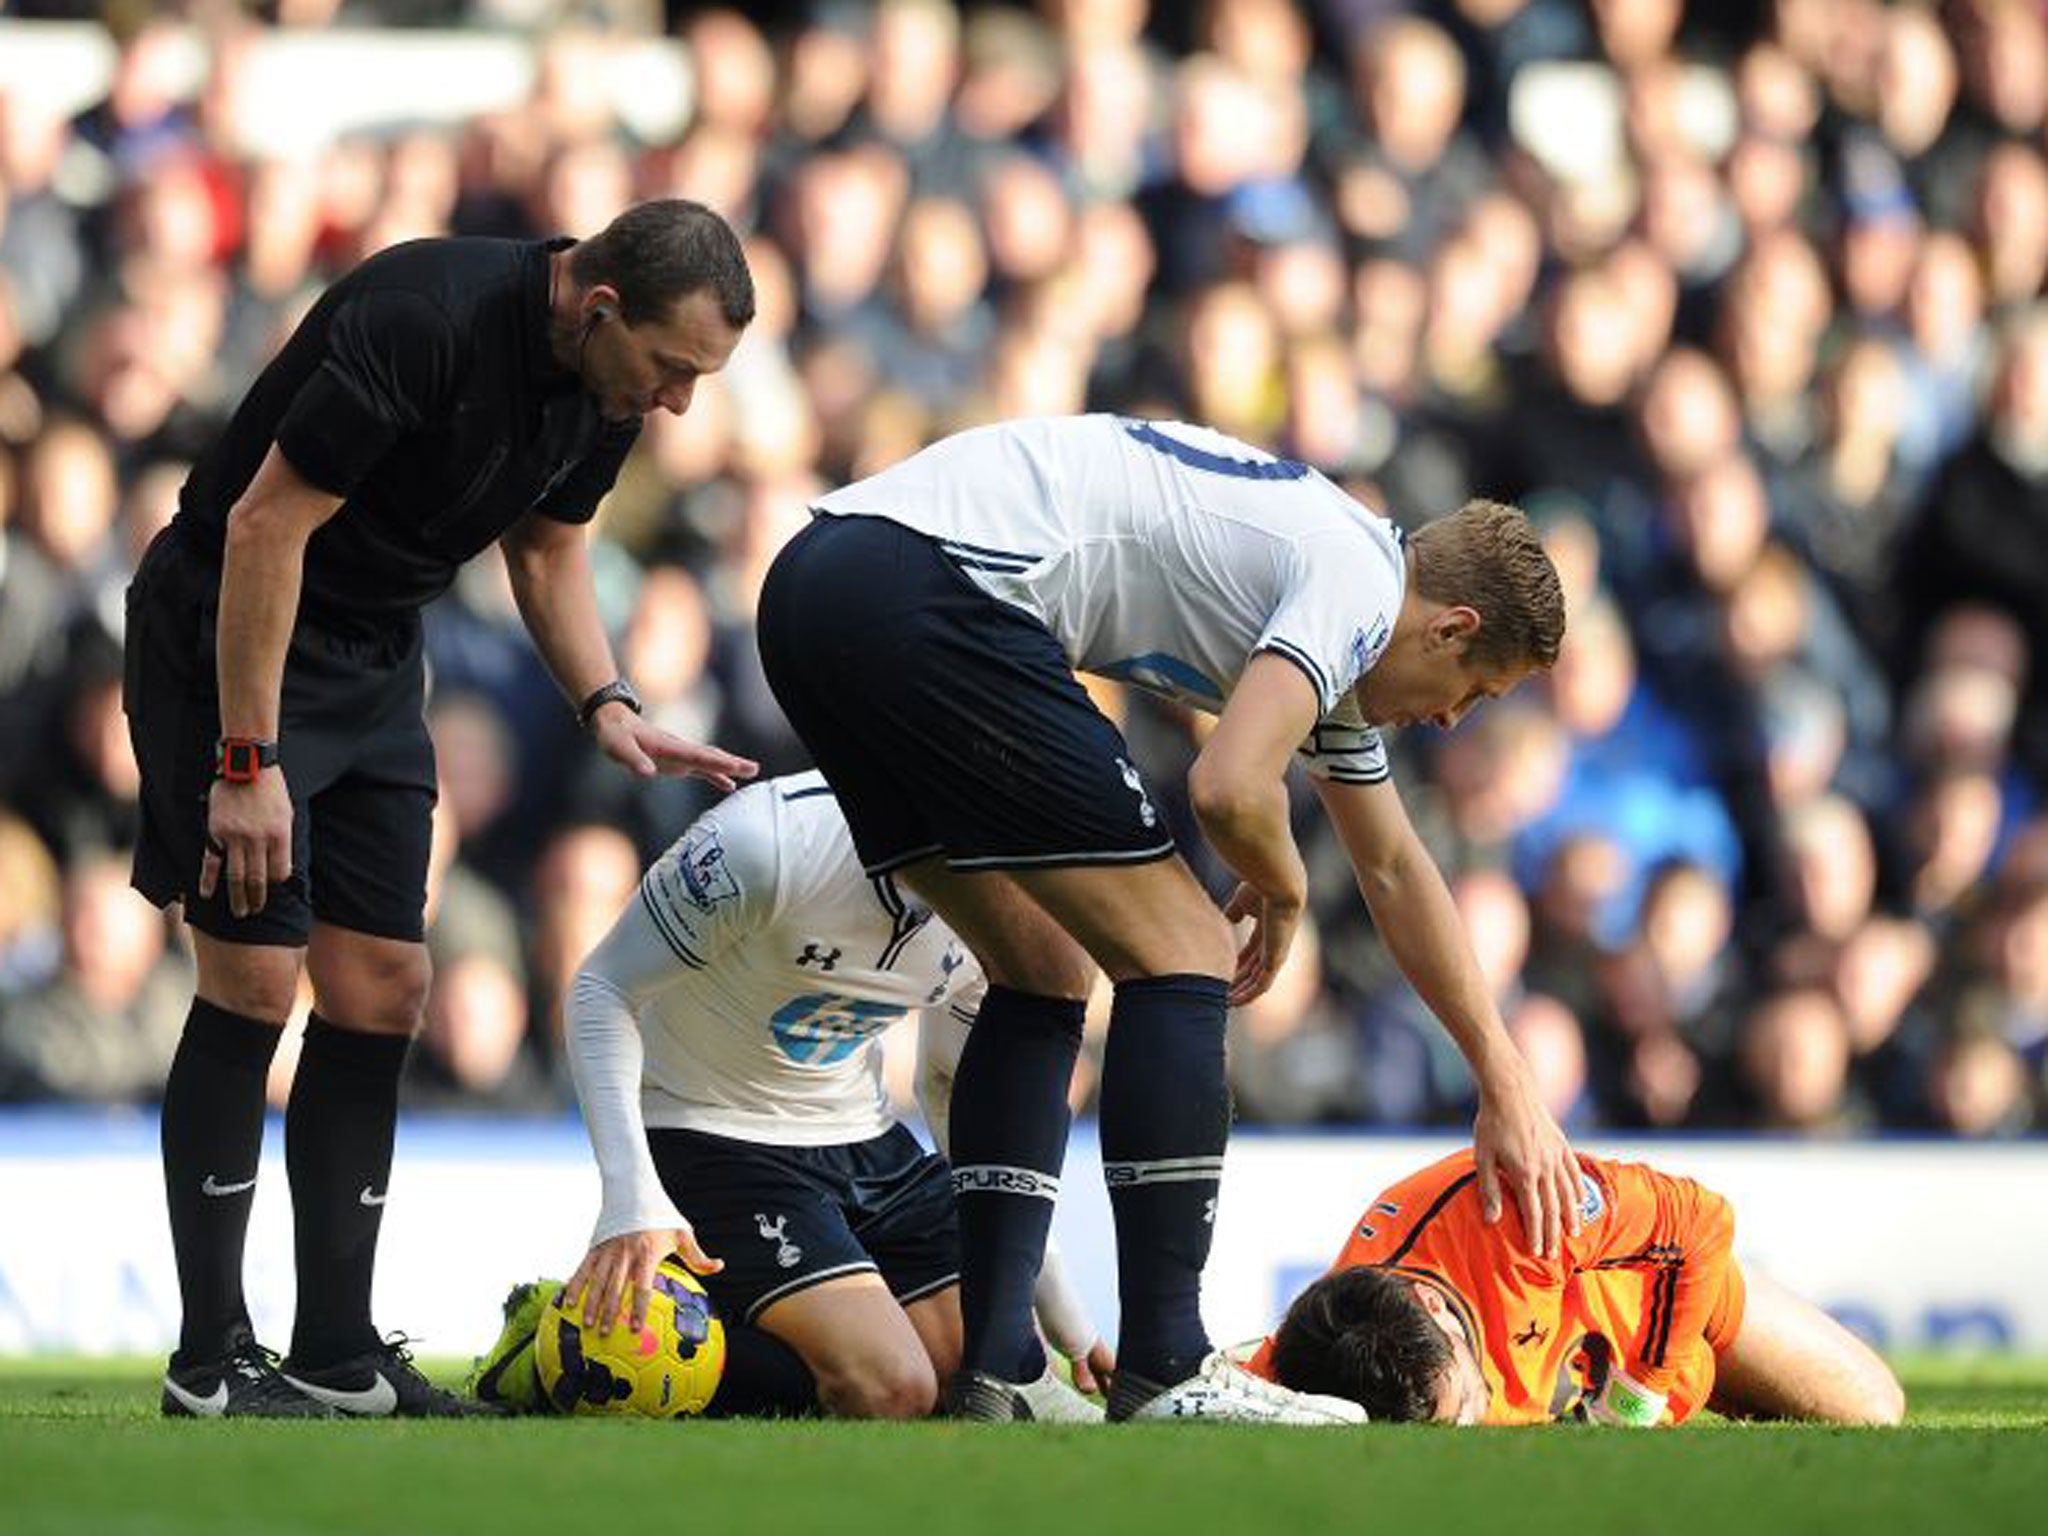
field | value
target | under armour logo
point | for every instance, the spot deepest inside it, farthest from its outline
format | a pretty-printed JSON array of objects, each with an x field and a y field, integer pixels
[
  {"x": 787, "y": 1254},
  {"x": 1137, "y": 787},
  {"x": 824, "y": 960},
  {"x": 1209, "y": 1212},
  {"x": 1532, "y": 1334}
]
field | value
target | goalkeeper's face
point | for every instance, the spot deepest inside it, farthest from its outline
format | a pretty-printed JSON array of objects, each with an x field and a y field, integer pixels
[{"x": 1462, "y": 1393}]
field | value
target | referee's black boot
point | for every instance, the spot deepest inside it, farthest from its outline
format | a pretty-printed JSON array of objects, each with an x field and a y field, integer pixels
[
  {"x": 242, "y": 1382},
  {"x": 383, "y": 1383}
]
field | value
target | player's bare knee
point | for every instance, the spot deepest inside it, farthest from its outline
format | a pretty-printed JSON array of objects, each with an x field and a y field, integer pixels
[
  {"x": 910, "y": 1389},
  {"x": 1042, "y": 961},
  {"x": 1869, "y": 1391},
  {"x": 398, "y": 1002},
  {"x": 1199, "y": 944},
  {"x": 944, "y": 1357},
  {"x": 385, "y": 995},
  {"x": 1066, "y": 972},
  {"x": 255, "y": 999},
  {"x": 885, "y": 1387},
  {"x": 1057, "y": 969},
  {"x": 1882, "y": 1399},
  {"x": 262, "y": 986},
  {"x": 1194, "y": 939},
  {"x": 1895, "y": 1402}
]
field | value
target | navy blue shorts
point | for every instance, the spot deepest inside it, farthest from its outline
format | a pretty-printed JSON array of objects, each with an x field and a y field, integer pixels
[
  {"x": 947, "y": 721},
  {"x": 787, "y": 1218},
  {"x": 356, "y": 756}
]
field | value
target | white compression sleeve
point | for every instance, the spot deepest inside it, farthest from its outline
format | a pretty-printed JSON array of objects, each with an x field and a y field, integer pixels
[
  {"x": 605, "y": 1055},
  {"x": 1062, "y": 1314},
  {"x": 941, "y": 1036}
]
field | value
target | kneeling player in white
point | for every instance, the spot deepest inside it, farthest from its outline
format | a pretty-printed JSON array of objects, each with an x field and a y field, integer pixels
[{"x": 725, "y": 1039}]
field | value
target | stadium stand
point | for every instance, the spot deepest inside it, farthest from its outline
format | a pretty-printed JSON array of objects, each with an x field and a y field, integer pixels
[{"x": 1748, "y": 312}]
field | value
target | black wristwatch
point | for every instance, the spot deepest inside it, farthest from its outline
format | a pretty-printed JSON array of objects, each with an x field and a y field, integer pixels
[
  {"x": 239, "y": 759},
  {"x": 617, "y": 691}
]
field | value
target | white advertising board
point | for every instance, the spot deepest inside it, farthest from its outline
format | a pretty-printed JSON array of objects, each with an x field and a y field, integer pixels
[{"x": 1919, "y": 1244}]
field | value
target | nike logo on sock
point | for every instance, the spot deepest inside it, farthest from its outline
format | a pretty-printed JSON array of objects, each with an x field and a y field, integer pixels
[
  {"x": 211, "y": 1406},
  {"x": 377, "y": 1400},
  {"x": 369, "y": 1199},
  {"x": 212, "y": 1186}
]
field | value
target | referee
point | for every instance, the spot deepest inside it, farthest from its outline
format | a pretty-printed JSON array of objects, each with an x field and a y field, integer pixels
[{"x": 444, "y": 395}]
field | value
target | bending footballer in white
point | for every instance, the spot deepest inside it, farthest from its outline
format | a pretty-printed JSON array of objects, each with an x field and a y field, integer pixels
[{"x": 725, "y": 1039}]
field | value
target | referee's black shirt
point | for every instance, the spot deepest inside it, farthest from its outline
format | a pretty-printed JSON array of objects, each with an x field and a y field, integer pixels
[{"x": 421, "y": 390}]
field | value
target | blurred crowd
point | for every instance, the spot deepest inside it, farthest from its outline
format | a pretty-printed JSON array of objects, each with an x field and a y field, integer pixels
[{"x": 1743, "y": 302}]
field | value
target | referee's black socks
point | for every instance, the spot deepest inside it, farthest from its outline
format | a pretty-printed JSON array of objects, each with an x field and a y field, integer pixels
[
  {"x": 212, "y": 1132},
  {"x": 338, "y": 1135},
  {"x": 1009, "y": 1139},
  {"x": 1165, "y": 1110}
]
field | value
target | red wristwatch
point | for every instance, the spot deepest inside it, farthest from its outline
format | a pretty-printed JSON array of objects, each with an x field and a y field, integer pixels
[{"x": 239, "y": 759}]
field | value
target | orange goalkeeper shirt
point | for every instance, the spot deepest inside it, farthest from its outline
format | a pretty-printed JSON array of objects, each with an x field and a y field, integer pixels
[{"x": 1647, "y": 1284}]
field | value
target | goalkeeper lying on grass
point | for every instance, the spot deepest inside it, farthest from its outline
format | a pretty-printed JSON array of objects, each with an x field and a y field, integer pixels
[{"x": 1643, "y": 1319}]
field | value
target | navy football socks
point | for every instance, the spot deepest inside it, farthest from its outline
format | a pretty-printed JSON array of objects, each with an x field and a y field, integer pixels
[
  {"x": 1165, "y": 1121},
  {"x": 1009, "y": 1140}
]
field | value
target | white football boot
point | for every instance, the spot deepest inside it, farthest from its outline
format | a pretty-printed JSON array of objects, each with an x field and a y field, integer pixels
[
  {"x": 1048, "y": 1400},
  {"x": 1053, "y": 1401},
  {"x": 1222, "y": 1391}
]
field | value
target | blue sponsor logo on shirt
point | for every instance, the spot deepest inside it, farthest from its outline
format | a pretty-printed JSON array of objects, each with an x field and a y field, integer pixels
[{"x": 819, "y": 1030}]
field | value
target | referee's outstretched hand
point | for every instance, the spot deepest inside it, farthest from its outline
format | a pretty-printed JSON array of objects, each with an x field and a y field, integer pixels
[
  {"x": 647, "y": 750},
  {"x": 248, "y": 840}
]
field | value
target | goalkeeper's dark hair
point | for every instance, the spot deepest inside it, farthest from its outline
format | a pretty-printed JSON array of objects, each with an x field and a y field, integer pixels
[
  {"x": 1362, "y": 1333},
  {"x": 656, "y": 253}
]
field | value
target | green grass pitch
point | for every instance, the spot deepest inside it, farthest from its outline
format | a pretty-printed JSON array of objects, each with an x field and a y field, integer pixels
[{"x": 82, "y": 1450}]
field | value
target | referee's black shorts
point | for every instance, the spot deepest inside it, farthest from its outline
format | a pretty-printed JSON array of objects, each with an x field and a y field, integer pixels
[
  {"x": 352, "y": 742},
  {"x": 947, "y": 721}
]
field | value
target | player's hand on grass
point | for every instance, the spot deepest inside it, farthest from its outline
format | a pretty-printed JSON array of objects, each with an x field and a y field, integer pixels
[
  {"x": 1274, "y": 919},
  {"x": 248, "y": 840},
  {"x": 1516, "y": 1143},
  {"x": 1093, "y": 1369},
  {"x": 647, "y": 750},
  {"x": 617, "y": 1275}
]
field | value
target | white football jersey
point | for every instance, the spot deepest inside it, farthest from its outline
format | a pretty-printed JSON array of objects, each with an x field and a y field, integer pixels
[
  {"x": 776, "y": 965},
  {"x": 1164, "y": 555}
]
